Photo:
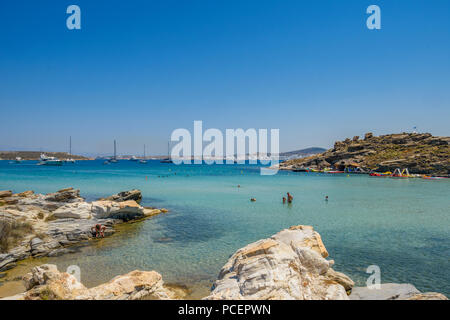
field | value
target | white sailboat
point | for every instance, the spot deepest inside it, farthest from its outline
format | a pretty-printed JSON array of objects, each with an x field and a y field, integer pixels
[
  {"x": 167, "y": 160},
  {"x": 143, "y": 161},
  {"x": 71, "y": 160},
  {"x": 114, "y": 159}
]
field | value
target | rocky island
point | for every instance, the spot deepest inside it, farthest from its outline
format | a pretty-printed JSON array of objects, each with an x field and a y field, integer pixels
[
  {"x": 35, "y": 155},
  {"x": 421, "y": 153},
  {"x": 38, "y": 225}
]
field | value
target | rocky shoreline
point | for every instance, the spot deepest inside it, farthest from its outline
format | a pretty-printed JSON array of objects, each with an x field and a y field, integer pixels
[
  {"x": 421, "y": 153},
  {"x": 290, "y": 265},
  {"x": 47, "y": 225}
]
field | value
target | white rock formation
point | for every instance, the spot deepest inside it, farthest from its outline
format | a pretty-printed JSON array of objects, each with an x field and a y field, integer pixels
[
  {"x": 289, "y": 265},
  {"x": 47, "y": 283},
  {"x": 76, "y": 210},
  {"x": 62, "y": 218},
  {"x": 105, "y": 209}
]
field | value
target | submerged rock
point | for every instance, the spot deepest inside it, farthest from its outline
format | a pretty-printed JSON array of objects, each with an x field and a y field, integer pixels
[{"x": 289, "y": 265}]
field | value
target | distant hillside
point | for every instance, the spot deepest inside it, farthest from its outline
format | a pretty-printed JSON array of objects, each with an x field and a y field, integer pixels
[
  {"x": 34, "y": 155},
  {"x": 303, "y": 152},
  {"x": 419, "y": 152}
]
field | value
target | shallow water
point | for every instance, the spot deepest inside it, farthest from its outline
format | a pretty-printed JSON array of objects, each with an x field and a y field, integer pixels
[{"x": 401, "y": 225}]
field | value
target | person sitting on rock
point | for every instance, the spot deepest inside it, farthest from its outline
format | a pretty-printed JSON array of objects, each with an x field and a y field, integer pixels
[{"x": 99, "y": 230}]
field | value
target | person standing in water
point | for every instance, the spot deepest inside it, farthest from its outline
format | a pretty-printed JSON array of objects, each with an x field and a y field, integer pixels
[
  {"x": 284, "y": 200},
  {"x": 289, "y": 197}
]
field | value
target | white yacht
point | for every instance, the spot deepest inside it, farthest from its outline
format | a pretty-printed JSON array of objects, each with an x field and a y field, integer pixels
[{"x": 49, "y": 161}]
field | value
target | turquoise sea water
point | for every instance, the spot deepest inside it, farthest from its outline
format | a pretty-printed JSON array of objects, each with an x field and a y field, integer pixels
[{"x": 401, "y": 225}]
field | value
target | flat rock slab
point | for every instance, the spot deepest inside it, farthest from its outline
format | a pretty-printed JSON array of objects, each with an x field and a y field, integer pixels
[{"x": 387, "y": 291}]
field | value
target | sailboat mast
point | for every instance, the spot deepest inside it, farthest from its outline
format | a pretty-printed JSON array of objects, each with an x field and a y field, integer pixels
[
  {"x": 115, "y": 155},
  {"x": 144, "y": 151},
  {"x": 70, "y": 145},
  {"x": 168, "y": 149}
]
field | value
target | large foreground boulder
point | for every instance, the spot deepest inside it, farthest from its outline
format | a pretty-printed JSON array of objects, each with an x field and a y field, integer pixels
[
  {"x": 289, "y": 265},
  {"x": 47, "y": 283}
]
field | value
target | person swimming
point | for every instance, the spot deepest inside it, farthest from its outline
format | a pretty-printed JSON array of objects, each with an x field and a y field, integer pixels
[{"x": 326, "y": 198}]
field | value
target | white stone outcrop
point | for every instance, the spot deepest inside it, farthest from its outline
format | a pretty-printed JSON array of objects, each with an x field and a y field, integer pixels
[
  {"x": 47, "y": 283},
  {"x": 289, "y": 265},
  {"x": 127, "y": 210},
  {"x": 76, "y": 210},
  {"x": 62, "y": 218}
]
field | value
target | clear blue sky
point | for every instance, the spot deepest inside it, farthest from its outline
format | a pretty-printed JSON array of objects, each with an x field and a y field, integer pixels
[{"x": 139, "y": 69}]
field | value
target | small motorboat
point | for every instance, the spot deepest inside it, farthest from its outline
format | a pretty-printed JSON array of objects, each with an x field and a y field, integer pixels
[
  {"x": 133, "y": 158},
  {"x": 433, "y": 178}
]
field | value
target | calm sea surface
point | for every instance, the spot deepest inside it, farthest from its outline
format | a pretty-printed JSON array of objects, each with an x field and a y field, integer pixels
[{"x": 401, "y": 225}]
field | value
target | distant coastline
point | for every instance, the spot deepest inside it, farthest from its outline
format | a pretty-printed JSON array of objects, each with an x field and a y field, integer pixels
[{"x": 35, "y": 155}]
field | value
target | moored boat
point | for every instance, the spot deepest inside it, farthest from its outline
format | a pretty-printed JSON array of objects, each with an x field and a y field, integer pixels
[
  {"x": 49, "y": 161},
  {"x": 433, "y": 178},
  {"x": 143, "y": 160}
]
